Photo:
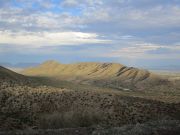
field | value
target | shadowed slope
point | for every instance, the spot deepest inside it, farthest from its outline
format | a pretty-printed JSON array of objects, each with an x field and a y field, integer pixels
[
  {"x": 11, "y": 78},
  {"x": 8, "y": 75}
]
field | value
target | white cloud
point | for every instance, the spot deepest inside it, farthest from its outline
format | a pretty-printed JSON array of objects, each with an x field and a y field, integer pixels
[
  {"x": 141, "y": 51},
  {"x": 69, "y": 3},
  {"x": 133, "y": 51},
  {"x": 75, "y": 22},
  {"x": 49, "y": 38},
  {"x": 129, "y": 17},
  {"x": 93, "y": 12}
]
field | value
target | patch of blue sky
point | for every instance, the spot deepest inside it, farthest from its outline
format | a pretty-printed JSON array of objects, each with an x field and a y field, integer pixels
[{"x": 17, "y": 4}]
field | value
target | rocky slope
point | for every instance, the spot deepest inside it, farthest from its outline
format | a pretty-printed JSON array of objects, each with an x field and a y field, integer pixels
[{"x": 102, "y": 74}]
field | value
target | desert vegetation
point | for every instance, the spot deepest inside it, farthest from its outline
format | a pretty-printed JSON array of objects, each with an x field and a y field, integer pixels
[
  {"x": 39, "y": 105},
  {"x": 23, "y": 106}
]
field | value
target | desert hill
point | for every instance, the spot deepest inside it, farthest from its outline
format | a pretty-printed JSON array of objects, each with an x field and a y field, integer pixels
[
  {"x": 25, "y": 106},
  {"x": 7, "y": 76},
  {"x": 6, "y": 73},
  {"x": 101, "y": 74}
]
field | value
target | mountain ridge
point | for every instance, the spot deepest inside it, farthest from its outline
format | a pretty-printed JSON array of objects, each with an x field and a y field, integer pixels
[{"x": 112, "y": 74}]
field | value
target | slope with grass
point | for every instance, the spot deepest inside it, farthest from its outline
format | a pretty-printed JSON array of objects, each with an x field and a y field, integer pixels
[
  {"x": 101, "y": 74},
  {"x": 47, "y": 107},
  {"x": 28, "y": 106},
  {"x": 8, "y": 77},
  {"x": 8, "y": 74}
]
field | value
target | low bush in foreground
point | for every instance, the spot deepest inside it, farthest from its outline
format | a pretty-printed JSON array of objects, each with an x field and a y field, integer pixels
[
  {"x": 70, "y": 119},
  {"x": 162, "y": 127}
]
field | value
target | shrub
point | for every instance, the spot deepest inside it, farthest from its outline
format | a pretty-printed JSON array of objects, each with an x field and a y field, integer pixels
[{"x": 69, "y": 119}]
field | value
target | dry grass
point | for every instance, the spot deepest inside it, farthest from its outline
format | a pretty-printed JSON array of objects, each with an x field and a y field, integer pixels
[
  {"x": 163, "y": 127},
  {"x": 101, "y": 74},
  {"x": 73, "y": 119},
  {"x": 24, "y": 106}
]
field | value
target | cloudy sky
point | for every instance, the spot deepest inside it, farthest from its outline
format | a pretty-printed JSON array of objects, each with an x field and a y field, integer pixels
[{"x": 141, "y": 33}]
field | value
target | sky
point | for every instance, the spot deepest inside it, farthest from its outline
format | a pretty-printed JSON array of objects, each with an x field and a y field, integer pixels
[{"x": 140, "y": 33}]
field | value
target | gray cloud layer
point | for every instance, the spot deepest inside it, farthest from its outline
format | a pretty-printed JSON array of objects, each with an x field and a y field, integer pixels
[{"x": 151, "y": 27}]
